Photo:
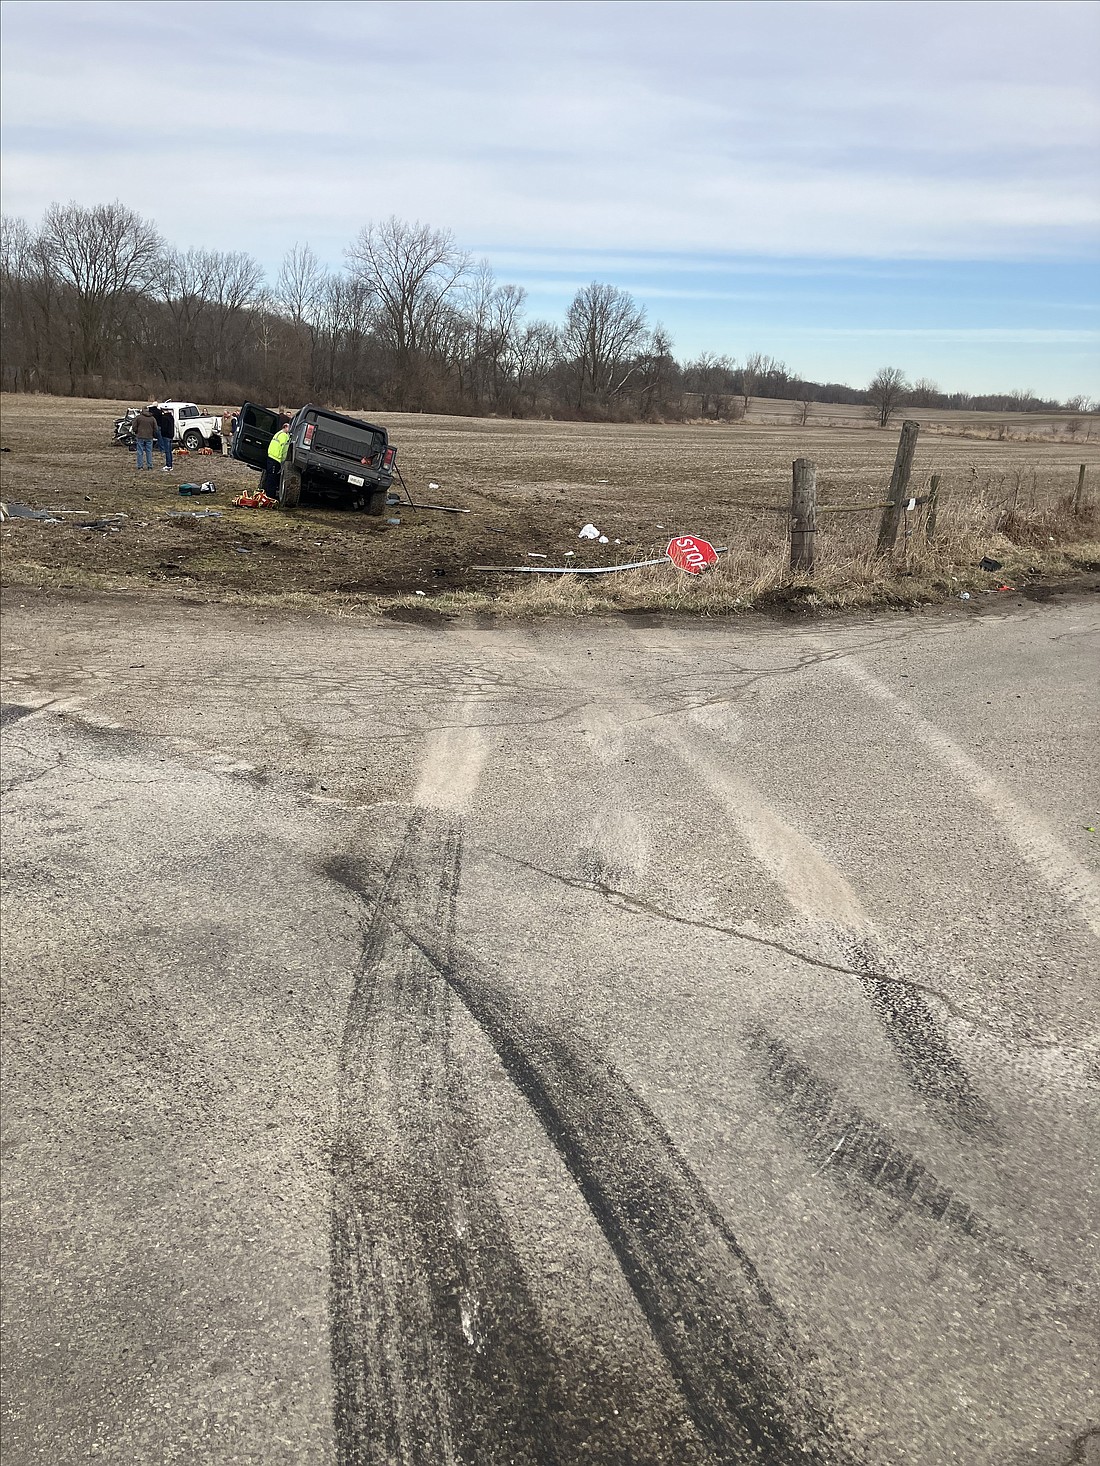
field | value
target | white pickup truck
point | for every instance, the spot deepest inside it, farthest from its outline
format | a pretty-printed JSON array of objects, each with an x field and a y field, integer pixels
[{"x": 195, "y": 428}]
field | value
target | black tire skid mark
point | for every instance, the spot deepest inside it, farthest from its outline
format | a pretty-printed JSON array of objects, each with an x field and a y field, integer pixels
[
  {"x": 13, "y": 712},
  {"x": 933, "y": 1071},
  {"x": 845, "y": 1143},
  {"x": 746, "y": 1382},
  {"x": 436, "y": 1346}
]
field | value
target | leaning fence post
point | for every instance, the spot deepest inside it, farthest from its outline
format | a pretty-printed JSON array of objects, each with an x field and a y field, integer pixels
[
  {"x": 899, "y": 485},
  {"x": 1078, "y": 490},
  {"x": 933, "y": 506},
  {"x": 803, "y": 514}
]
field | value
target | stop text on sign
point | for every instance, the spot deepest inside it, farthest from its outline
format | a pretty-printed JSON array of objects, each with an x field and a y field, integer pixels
[{"x": 688, "y": 553}]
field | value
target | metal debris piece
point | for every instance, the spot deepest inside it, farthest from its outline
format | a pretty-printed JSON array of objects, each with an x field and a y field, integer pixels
[{"x": 575, "y": 569}]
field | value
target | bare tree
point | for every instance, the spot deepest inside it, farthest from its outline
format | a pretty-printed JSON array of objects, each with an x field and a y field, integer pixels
[
  {"x": 924, "y": 393},
  {"x": 536, "y": 352},
  {"x": 301, "y": 280},
  {"x": 411, "y": 272},
  {"x": 714, "y": 378},
  {"x": 805, "y": 407},
  {"x": 298, "y": 292},
  {"x": 104, "y": 254},
  {"x": 760, "y": 370},
  {"x": 603, "y": 330},
  {"x": 886, "y": 393},
  {"x": 183, "y": 285},
  {"x": 20, "y": 268},
  {"x": 236, "y": 289}
]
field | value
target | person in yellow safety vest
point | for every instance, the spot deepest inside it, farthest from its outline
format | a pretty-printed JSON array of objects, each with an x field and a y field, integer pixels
[{"x": 277, "y": 451}]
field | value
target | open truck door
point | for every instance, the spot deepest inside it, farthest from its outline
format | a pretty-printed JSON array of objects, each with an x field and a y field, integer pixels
[{"x": 256, "y": 426}]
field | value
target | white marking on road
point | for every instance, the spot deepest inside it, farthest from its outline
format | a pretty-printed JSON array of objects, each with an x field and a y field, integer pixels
[
  {"x": 1076, "y": 887},
  {"x": 451, "y": 768},
  {"x": 814, "y": 887}
]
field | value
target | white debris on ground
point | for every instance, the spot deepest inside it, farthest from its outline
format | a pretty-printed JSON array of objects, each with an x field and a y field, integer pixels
[{"x": 589, "y": 532}]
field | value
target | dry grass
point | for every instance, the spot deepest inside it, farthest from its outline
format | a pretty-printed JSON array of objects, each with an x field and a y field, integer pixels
[{"x": 529, "y": 487}]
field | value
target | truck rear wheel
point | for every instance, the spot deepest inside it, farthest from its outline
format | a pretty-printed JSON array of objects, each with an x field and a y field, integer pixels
[
  {"x": 290, "y": 487},
  {"x": 377, "y": 502},
  {"x": 192, "y": 440}
]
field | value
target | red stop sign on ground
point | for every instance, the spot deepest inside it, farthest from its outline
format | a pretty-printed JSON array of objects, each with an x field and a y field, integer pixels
[{"x": 688, "y": 553}]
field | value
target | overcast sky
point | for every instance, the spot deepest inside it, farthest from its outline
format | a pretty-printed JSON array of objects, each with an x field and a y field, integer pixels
[{"x": 840, "y": 185}]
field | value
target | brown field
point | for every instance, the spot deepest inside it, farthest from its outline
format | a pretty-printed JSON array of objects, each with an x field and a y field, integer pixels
[{"x": 530, "y": 486}]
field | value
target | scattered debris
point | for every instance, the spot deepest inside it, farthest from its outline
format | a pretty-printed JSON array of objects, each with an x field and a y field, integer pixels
[
  {"x": 603, "y": 540},
  {"x": 421, "y": 592},
  {"x": 534, "y": 555},
  {"x": 194, "y": 513},
  {"x": 258, "y": 500},
  {"x": 433, "y": 486},
  {"x": 107, "y": 525},
  {"x": 393, "y": 521},
  {"x": 569, "y": 554},
  {"x": 988, "y": 563},
  {"x": 204, "y": 488},
  {"x": 965, "y": 596},
  {"x": 24, "y": 511},
  {"x": 589, "y": 532}
]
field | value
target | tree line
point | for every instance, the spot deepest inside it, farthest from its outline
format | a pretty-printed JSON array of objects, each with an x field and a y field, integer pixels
[{"x": 94, "y": 302}]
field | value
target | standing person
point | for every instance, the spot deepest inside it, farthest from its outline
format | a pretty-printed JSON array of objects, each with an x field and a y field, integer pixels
[
  {"x": 145, "y": 435},
  {"x": 277, "y": 450},
  {"x": 166, "y": 431},
  {"x": 228, "y": 423}
]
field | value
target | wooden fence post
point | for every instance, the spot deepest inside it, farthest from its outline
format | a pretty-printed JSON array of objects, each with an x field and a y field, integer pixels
[
  {"x": 933, "y": 506},
  {"x": 899, "y": 486},
  {"x": 803, "y": 514},
  {"x": 1078, "y": 491}
]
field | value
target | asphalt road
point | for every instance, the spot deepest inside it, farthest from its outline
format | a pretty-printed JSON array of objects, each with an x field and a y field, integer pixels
[{"x": 626, "y": 1042}]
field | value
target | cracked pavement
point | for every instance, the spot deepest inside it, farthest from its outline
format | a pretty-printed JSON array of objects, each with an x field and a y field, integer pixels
[{"x": 629, "y": 1041}]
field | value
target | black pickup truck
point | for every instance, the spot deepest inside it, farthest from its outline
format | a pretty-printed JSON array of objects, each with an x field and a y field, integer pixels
[{"x": 330, "y": 455}]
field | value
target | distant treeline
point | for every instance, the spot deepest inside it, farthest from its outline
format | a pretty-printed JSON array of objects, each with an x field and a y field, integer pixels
[{"x": 95, "y": 303}]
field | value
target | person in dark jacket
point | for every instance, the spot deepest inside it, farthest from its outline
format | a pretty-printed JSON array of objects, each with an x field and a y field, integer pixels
[
  {"x": 145, "y": 435},
  {"x": 166, "y": 431}
]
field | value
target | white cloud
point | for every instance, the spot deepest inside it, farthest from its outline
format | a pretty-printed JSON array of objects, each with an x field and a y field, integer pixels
[{"x": 822, "y": 129}]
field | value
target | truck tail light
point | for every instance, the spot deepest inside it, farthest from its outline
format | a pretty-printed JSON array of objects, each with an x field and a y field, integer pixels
[
  {"x": 308, "y": 438},
  {"x": 388, "y": 457}
]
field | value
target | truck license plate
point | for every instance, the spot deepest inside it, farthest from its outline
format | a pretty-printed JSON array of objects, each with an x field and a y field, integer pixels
[{"x": 353, "y": 478}]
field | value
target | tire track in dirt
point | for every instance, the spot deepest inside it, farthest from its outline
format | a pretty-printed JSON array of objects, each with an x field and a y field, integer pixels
[{"x": 742, "y": 1375}]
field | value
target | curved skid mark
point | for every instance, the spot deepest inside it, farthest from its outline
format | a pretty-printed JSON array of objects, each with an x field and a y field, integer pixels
[
  {"x": 437, "y": 1349},
  {"x": 850, "y": 1147},
  {"x": 717, "y": 1325},
  {"x": 933, "y": 1071}
]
